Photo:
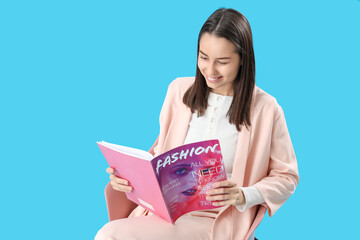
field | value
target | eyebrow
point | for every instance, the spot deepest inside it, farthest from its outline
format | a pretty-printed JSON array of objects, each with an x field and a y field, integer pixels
[
  {"x": 216, "y": 58},
  {"x": 180, "y": 165}
]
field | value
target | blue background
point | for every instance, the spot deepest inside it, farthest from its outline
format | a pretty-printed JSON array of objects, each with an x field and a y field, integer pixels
[{"x": 75, "y": 72}]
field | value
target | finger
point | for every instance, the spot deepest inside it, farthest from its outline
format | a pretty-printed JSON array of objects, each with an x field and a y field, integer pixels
[
  {"x": 110, "y": 170},
  {"x": 221, "y": 197},
  {"x": 224, "y": 203},
  {"x": 121, "y": 188},
  {"x": 225, "y": 183},
  {"x": 235, "y": 198},
  {"x": 222, "y": 190},
  {"x": 118, "y": 180}
]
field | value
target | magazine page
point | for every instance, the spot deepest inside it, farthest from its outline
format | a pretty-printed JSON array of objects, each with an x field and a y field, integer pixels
[
  {"x": 185, "y": 174},
  {"x": 128, "y": 150}
]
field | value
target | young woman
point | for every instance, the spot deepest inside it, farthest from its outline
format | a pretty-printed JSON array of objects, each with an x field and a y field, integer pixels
[{"x": 221, "y": 102}]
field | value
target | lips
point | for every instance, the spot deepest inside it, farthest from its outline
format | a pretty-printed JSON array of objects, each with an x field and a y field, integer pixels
[
  {"x": 190, "y": 192},
  {"x": 213, "y": 79}
]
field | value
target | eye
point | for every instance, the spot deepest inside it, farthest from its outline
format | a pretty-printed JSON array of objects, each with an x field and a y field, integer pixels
[
  {"x": 181, "y": 171},
  {"x": 204, "y": 58},
  {"x": 222, "y": 63}
]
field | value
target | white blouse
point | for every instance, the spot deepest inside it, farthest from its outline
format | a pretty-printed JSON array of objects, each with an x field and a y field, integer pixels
[{"x": 214, "y": 124}]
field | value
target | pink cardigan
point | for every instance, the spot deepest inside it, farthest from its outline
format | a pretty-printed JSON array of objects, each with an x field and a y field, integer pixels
[{"x": 264, "y": 157}]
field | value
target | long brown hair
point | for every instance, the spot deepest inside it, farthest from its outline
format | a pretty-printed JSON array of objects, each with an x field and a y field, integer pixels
[{"x": 232, "y": 25}]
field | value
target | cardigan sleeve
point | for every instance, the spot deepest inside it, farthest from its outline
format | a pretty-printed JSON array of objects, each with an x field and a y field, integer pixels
[
  {"x": 172, "y": 101},
  {"x": 283, "y": 176},
  {"x": 252, "y": 198},
  {"x": 166, "y": 115}
]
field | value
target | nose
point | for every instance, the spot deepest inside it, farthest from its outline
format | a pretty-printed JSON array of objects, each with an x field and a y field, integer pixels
[
  {"x": 193, "y": 180},
  {"x": 212, "y": 69}
]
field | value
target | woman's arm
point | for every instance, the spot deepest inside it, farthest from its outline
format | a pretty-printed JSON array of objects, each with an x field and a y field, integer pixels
[{"x": 283, "y": 176}]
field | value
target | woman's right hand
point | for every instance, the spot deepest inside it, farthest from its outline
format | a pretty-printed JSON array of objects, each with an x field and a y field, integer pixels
[{"x": 117, "y": 183}]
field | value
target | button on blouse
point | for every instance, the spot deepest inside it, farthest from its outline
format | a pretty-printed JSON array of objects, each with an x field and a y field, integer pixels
[{"x": 214, "y": 124}]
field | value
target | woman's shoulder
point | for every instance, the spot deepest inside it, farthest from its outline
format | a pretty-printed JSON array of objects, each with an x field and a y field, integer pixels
[
  {"x": 264, "y": 101},
  {"x": 182, "y": 83},
  {"x": 179, "y": 86}
]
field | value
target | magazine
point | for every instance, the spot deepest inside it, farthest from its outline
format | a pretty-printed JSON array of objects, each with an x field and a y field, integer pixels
[{"x": 173, "y": 183}]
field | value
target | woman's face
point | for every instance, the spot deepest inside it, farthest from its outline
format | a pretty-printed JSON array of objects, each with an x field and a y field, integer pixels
[
  {"x": 184, "y": 179},
  {"x": 219, "y": 63}
]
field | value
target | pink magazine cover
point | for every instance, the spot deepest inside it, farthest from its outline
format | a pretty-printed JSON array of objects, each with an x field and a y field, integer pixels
[
  {"x": 175, "y": 182},
  {"x": 185, "y": 174}
]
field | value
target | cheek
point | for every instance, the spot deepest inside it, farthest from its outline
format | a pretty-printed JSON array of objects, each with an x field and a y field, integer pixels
[
  {"x": 201, "y": 65},
  {"x": 235, "y": 69},
  {"x": 231, "y": 71},
  {"x": 185, "y": 181}
]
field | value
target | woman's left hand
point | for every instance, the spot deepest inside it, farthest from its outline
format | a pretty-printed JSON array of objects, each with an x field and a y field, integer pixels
[{"x": 225, "y": 193}]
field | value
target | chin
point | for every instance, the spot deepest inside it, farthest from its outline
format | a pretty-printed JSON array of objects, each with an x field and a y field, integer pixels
[{"x": 211, "y": 85}]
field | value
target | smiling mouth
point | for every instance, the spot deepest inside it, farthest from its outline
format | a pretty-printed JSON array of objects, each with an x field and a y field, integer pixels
[
  {"x": 190, "y": 192},
  {"x": 213, "y": 80}
]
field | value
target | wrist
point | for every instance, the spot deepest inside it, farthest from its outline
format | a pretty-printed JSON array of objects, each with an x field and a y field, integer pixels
[{"x": 242, "y": 199}]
